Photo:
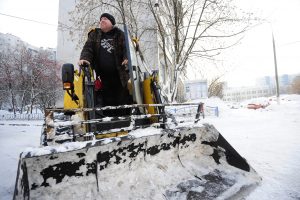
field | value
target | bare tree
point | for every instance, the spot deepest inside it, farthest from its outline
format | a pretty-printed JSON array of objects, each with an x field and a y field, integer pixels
[
  {"x": 42, "y": 80},
  {"x": 21, "y": 58},
  {"x": 215, "y": 88},
  {"x": 29, "y": 77},
  {"x": 7, "y": 79},
  {"x": 197, "y": 29},
  {"x": 48, "y": 82},
  {"x": 296, "y": 85}
]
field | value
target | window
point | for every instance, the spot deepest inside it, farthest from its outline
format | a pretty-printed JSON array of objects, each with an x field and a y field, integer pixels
[{"x": 187, "y": 88}]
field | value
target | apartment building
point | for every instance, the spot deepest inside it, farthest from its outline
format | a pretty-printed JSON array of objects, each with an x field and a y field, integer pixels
[
  {"x": 243, "y": 93},
  {"x": 11, "y": 42}
]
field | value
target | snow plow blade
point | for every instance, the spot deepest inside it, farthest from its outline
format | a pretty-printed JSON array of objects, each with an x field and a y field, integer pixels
[{"x": 180, "y": 163}]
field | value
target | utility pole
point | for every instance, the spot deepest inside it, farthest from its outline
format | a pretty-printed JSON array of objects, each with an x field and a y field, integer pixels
[
  {"x": 156, "y": 10},
  {"x": 276, "y": 73}
]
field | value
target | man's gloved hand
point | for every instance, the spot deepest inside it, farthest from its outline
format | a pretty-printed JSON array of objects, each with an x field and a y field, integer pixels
[{"x": 82, "y": 62}]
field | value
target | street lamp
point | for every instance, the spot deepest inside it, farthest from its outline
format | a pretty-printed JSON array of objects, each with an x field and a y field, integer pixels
[{"x": 276, "y": 73}]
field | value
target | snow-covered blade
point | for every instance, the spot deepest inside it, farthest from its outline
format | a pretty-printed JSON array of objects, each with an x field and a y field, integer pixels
[
  {"x": 61, "y": 126},
  {"x": 182, "y": 163}
]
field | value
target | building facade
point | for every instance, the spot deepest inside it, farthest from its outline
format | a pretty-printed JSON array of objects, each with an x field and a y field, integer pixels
[
  {"x": 265, "y": 87},
  {"x": 243, "y": 93},
  {"x": 285, "y": 81},
  {"x": 196, "y": 89}
]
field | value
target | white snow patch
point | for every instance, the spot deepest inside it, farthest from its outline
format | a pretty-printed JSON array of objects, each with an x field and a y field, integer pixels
[
  {"x": 146, "y": 131},
  {"x": 4, "y": 112},
  {"x": 38, "y": 151},
  {"x": 107, "y": 119}
]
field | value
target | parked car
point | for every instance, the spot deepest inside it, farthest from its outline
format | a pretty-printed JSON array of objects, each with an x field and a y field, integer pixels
[{"x": 256, "y": 106}]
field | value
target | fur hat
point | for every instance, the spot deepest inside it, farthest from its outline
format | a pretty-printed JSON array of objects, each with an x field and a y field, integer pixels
[{"x": 109, "y": 17}]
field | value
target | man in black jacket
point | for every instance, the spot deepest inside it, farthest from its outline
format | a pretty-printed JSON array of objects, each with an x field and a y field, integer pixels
[{"x": 105, "y": 50}]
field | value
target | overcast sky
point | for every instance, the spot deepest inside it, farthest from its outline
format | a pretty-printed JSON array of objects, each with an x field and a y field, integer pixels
[
  {"x": 254, "y": 57},
  {"x": 37, "y": 34},
  {"x": 251, "y": 59}
]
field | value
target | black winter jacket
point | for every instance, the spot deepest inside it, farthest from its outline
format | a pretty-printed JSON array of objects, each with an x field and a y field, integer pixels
[{"x": 91, "y": 51}]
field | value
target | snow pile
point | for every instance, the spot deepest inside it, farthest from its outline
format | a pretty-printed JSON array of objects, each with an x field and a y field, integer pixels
[
  {"x": 70, "y": 146},
  {"x": 213, "y": 102},
  {"x": 144, "y": 132},
  {"x": 223, "y": 107},
  {"x": 38, "y": 151}
]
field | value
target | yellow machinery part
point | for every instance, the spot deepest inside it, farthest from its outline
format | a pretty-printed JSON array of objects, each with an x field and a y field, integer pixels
[
  {"x": 78, "y": 84},
  {"x": 70, "y": 104},
  {"x": 115, "y": 134},
  {"x": 149, "y": 98}
]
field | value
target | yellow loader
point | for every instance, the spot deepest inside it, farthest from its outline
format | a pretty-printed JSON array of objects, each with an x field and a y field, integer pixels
[{"x": 145, "y": 155}]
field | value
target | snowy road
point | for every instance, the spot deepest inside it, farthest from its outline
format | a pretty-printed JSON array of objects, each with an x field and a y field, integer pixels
[
  {"x": 15, "y": 136},
  {"x": 268, "y": 138}
]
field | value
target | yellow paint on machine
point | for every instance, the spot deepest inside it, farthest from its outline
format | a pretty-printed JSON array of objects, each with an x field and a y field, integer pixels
[
  {"x": 70, "y": 104},
  {"x": 78, "y": 84},
  {"x": 109, "y": 135},
  {"x": 148, "y": 97}
]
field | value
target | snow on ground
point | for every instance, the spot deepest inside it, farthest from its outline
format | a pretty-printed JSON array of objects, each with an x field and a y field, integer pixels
[
  {"x": 268, "y": 138},
  {"x": 15, "y": 136}
]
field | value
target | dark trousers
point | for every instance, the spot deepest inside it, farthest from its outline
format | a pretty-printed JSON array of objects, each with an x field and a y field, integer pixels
[{"x": 113, "y": 97}]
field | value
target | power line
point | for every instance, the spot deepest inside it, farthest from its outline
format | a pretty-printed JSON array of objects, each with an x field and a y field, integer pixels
[
  {"x": 27, "y": 19},
  {"x": 290, "y": 43}
]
